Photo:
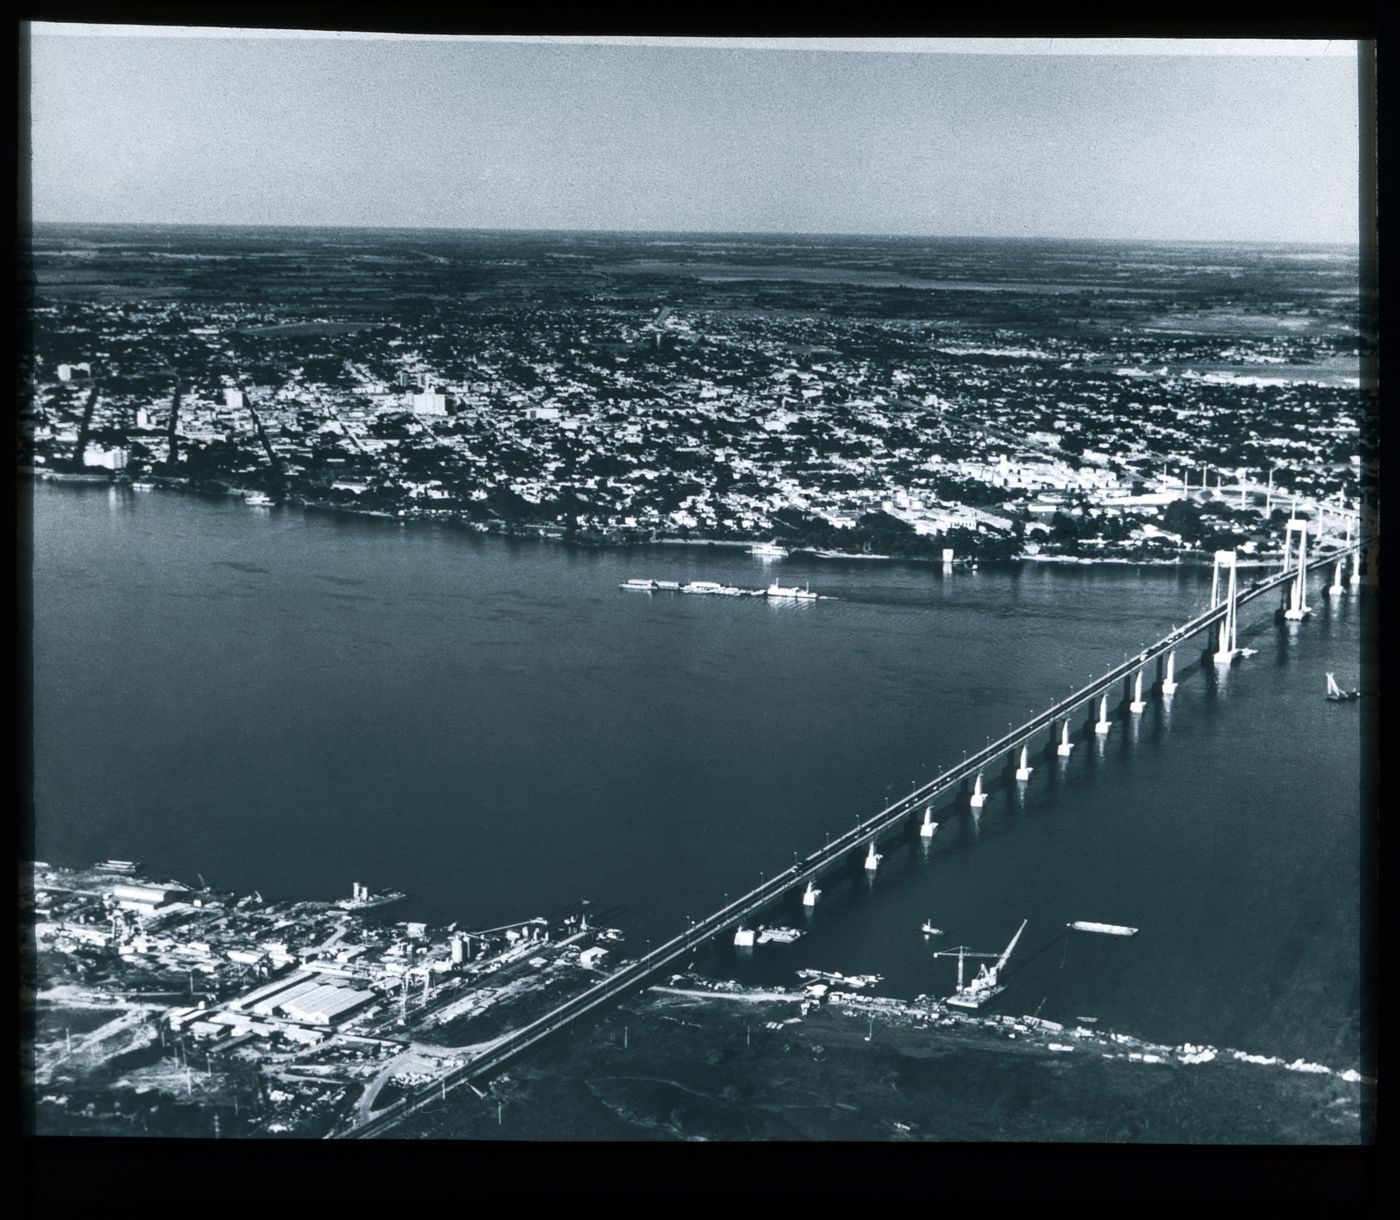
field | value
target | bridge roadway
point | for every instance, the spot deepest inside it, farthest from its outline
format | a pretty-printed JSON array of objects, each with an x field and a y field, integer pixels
[{"x": 632, "y": 975}]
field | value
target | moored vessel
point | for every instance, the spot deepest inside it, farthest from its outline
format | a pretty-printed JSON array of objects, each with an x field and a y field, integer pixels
[
  {"x": 362, "y": 900},
  {"x": 1107, "y": 929}
]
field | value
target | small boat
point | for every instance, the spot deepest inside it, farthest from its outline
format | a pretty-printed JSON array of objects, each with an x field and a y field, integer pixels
[
  {"x": 641, "y": 586},
  {"x": 142, "y": 485},
  {"x": 781, "y": 936},
  {"x": 120, "y": 866},
  {"x": 768, "y": 550},
  {"x": 259, "y": 500},
  {"x": 930, "y": 930},
  {"x": 1335, "y": 694},
  {"x": 1106, "y": 929}
]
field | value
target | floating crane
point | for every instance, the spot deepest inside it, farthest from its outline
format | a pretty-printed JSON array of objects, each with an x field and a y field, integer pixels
[
  {"x": 985, "y": 986},
  {"x": 1335, "y": 694}
]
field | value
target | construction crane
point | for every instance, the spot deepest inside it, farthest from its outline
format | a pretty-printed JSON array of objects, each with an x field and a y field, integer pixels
[
  {"x": 985, "y": 985},
  {"x": 961, "y": 952}
]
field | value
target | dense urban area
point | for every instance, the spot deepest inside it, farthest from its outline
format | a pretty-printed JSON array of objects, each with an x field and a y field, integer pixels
[{"x": 859, "y": 396}]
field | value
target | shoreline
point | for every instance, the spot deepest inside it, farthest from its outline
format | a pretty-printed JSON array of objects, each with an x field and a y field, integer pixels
[{"x": 523, "y": 532}]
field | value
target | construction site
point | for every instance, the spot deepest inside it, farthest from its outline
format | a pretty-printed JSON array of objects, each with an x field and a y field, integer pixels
[{"x": 167, "y": 1009}]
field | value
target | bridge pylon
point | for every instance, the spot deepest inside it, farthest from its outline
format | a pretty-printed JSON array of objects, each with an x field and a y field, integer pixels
[
  {"x": 1298, "y": 589},
  {"x": 1227, "y": 641}
]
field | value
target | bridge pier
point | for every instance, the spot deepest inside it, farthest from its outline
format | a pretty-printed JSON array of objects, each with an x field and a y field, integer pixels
[
  {"x": 1023, "y": 772},
  {"x": 1102, "y": 726},
  {"x": 1336, "y": 587},
  {"x": 1169, "y": 682},
  {"x": 1137, "y": 706},
  {"x": 872, "y": 858},
  {"x": 1066, "y": 747},
  {"x": 979, "y": 798},
  {"x": 929, "y": 825}
]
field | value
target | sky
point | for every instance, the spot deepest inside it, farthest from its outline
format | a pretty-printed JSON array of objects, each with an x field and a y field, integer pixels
[{"x": 142, "y": 126}]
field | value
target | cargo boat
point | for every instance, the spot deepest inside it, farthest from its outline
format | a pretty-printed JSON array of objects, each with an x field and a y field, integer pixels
[
  {"x": 793, "y": 593},
  {"x": 1108, "y": 929},
  {"x": 362, "y": 900},
  {"x": 768, "y": 549}
]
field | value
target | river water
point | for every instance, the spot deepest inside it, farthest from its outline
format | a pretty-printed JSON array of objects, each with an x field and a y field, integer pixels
[{"x": 290, "y": 701}]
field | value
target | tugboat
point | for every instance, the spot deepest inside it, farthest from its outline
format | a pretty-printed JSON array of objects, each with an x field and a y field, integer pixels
[
  {"x": 1335, "y": 694},
  {"x": 930, "y": 930}
]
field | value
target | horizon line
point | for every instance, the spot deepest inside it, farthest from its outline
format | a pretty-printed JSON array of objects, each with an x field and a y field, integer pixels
[{"x": 644, "y": 232}]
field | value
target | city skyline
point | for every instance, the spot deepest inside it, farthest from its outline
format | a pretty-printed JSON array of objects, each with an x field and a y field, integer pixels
[{"x": 213, "y": 128}]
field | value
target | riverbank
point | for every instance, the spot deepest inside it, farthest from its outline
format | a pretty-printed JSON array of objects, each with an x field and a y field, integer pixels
[
  {"x": 670, "y": 1066},
  {"x": 623, "y": 540}
]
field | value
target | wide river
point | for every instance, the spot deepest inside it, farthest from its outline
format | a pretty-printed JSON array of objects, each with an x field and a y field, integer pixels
[{"x": 287, "y": 701}]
